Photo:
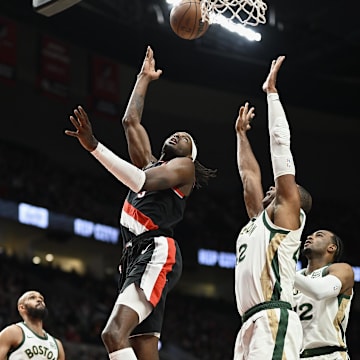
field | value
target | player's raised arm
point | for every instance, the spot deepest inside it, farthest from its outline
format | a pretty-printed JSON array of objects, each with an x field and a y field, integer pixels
[
  {"x": 139, "y": 146},
  {"x": 287, "y": 200},
  {"x": 248, "y": 166}
]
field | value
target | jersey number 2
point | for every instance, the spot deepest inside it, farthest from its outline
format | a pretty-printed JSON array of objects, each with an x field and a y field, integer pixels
[
  {"x": 304, "y": 311},
  {"x": 241, "y": 252}
]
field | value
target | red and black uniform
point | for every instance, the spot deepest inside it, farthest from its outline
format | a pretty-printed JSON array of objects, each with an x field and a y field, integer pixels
[{"x": 151, "y": 257}]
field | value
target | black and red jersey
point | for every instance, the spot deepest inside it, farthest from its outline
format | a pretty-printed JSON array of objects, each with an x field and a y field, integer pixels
[{"x": 151, "y": 210}]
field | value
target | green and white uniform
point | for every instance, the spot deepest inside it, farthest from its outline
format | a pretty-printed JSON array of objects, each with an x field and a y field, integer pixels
[
  {"x": 34, "y": 347},
  {"x": 324, "y": 323},
  {"x": 266, "y": 257}
]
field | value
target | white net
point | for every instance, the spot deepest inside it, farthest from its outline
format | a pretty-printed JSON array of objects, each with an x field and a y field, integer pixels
[{"x": 247, "y": 12}]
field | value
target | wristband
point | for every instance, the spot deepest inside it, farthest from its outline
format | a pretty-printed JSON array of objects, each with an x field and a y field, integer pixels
[{"x": 128, "y": 174}]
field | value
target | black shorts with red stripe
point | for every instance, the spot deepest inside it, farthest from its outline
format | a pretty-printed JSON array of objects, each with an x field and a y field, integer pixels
[{"x": 153, "y": 262}]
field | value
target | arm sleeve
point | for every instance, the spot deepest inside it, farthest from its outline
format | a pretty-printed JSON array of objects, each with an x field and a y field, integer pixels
[
  {"x": 319, "y": 288},
  {"x": 279, "y": 131},
  {"x": 128, "y": 174}
]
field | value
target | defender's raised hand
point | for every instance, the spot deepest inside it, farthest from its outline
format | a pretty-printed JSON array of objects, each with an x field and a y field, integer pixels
[
  {"x": 269, "y": 85},
  {"x": 83, "y": 127},
  {"x": 243, "y": 122}
]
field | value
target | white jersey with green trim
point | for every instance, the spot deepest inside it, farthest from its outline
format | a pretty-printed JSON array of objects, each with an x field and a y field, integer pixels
[
  {"x": 266, "y": 258},
  {"x": 324, "y": 321},
  {"x": 35, "y": 347}
]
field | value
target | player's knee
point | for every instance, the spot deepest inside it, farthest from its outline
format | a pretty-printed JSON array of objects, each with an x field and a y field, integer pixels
[
  {"x": 115, "y": 336},
  {"x": 112, "y": 339}
]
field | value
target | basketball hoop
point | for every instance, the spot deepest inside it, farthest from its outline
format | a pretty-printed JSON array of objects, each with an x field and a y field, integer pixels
[{"x": 247, "y": 12}]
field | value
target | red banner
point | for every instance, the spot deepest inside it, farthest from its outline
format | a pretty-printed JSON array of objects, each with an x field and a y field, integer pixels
[
  {"x": 105, "y": 87},
  {"x": 8, "y": 59},
  {"x": 54, "y": 77}
]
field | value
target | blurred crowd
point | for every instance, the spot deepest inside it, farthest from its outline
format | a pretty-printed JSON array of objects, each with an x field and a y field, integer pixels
[
  {"x": 195, "y": 328},
  {"x": 213, "y": 217},
  {"x": 31, "y": 177},
  {"x": 80, "y": 305}
]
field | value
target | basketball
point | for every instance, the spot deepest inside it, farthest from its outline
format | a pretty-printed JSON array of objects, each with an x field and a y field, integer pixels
[{"x": 185, "y": 20}]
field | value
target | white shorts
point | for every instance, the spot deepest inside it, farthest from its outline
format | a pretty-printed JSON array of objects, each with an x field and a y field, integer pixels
[{"x": 272, "y": 334}]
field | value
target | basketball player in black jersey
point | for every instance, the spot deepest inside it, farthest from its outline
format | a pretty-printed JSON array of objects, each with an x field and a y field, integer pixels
[{"x": 151, "y": 262}]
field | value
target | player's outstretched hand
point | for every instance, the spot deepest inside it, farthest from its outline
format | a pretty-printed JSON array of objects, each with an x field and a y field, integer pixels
[
  {"x": 148, "y": 66},
  {"x": 269, "y": 85},
  {"x": 83, "y": 127},
  {"x": 243, "y": 122}
]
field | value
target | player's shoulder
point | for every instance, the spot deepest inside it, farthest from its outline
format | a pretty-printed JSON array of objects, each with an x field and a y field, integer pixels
[
  {"x": 343, "y": 271},
  {"x": 12, "y": 332},
  {"x": 58, "y": 341},
  {"x": 15, "y": 327},
  {"x": 341, "y": 266},
  {"x": 181, "y": 160}
]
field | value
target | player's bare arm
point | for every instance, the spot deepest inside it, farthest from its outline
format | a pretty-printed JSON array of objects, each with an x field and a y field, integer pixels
[
  {"x": 248, "y": 166},
  {"x": 178, "y": 172},
  {"x": 287, "y": 203},
  {"x": 139, "y": 146},
  {"x": 61, "y": 350},
  {"x": 10, "y": 338}
]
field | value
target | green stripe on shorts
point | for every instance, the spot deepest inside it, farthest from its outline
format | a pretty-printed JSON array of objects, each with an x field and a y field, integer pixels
[{"x": 280, "y": 336}]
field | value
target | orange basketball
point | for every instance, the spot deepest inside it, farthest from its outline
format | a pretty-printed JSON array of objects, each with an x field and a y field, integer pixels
[{"x": 185, "y": 20}]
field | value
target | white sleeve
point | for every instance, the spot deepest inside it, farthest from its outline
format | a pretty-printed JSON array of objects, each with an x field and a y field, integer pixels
[
  {"x": 128, "y": 174},
  {"x": 318, "y": 288},
  {"x": 279, "y": 131}
]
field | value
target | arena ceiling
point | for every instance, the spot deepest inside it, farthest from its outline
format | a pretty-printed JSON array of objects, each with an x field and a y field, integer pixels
[{"x": 321, "y": 40}]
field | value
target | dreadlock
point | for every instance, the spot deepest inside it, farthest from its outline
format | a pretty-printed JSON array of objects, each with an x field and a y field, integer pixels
[{"x": 203, "y": 174}]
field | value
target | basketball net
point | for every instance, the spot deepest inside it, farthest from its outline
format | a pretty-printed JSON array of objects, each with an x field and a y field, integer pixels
[{"x": 247, "y": 12}]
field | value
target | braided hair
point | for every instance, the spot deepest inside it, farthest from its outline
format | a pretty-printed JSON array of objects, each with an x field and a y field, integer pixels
[{"x": 203, "y": 174}]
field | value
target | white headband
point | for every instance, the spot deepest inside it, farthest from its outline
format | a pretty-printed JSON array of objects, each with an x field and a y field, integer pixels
[{"x": 193, "y": 148}]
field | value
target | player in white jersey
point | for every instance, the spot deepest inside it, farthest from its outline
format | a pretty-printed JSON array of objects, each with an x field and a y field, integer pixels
[
  {"x": 323, "y": 294},
  {"x": 267, "y": 248},
  {"x": 28, "y": 339}
]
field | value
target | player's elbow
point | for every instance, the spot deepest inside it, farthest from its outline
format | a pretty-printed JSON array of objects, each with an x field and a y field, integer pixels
[
  {"x": 126, "y": 121},
  {"x": 131, "y": 118},
  {"x": 281, "y": 135}
]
